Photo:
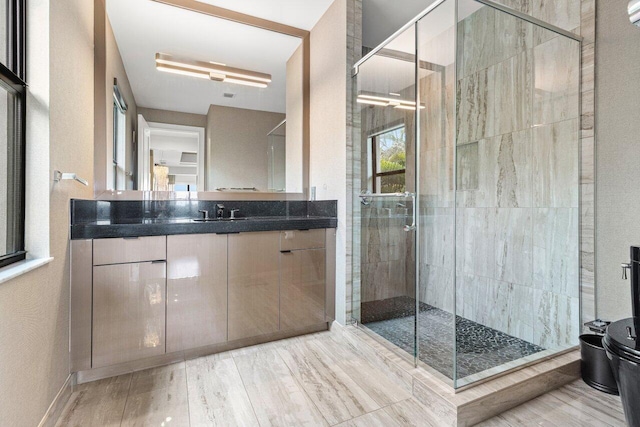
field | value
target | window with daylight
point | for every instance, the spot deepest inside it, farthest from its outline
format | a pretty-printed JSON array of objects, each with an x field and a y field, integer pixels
[
  {"x": 12, "y": 131},
  {"x": 388, "y": 150}
]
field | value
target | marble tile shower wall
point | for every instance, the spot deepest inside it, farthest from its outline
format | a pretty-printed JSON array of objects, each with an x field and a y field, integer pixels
[
  {"x": 517, "y": 259},
  {"x": 542, "y": 283},
  {"x": 385, "y": 251},
  {"x": 579, "y": 17}
]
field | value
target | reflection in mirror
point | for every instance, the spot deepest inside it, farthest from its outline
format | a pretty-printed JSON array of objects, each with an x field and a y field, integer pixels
[
  {"x": 202, "y": 103},
  {"x": 277, "y": 157}
]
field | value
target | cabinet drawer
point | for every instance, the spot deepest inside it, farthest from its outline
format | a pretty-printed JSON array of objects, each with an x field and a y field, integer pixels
[
  {"x": 125, "y": 250},
  {"x": 295, "y": 240}
]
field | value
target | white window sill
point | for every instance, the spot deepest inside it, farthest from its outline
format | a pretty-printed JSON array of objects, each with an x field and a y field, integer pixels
[{"x": 21, "y": 267}]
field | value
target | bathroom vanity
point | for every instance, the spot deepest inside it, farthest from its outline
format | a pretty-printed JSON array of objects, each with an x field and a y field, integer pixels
[{"x": 157, "y": 289}]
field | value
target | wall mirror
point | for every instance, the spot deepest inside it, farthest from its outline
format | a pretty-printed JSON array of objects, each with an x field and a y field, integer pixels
[{"x": 201, "y": 99}]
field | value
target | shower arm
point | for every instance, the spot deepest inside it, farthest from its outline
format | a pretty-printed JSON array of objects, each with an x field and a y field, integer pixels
[{"x": 365, "y": 200}]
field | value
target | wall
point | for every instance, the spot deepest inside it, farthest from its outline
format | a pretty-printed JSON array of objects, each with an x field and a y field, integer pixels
[
  {"x": 618, "y": 198},
  {"x": 34, "y": 321},
  {"x": 385, "y": 255},
  {"x": 579, "y": 16},
  {"x": 334, "y": 39},
  {"x": 115, "y": 69},
  {"x": 236, "y": 147},
  {"x": 294, "y": 114},
  {"x": 517, "y": 258},
  {"x": 173, "y": 117}
]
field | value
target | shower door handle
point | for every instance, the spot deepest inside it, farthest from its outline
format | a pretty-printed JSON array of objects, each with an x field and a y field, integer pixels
[{"x": 413, "y": 226}]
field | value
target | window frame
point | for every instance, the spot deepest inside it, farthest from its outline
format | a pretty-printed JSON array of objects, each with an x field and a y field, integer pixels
[
  {"x": 13, "y": 77},
  {"x": 374, "y": 155}
]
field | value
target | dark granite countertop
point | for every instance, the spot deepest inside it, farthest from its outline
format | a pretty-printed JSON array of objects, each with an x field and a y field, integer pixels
[
  {"x": 95, "y": 219},
  {"x": 162, "y": 227}
]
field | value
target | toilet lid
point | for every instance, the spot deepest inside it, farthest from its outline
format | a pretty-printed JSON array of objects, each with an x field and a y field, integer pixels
[{"x": 623, "y": 338}]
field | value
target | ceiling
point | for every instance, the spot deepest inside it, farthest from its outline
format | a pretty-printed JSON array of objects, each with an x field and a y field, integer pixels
[
  {"x": 382, "y": 18},
  {"x": 144, "y": 27},
  {"x": 296, "y": 13},
  {"x": 436, "y": 36}
]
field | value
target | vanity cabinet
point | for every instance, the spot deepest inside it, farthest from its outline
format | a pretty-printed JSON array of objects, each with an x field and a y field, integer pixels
[
  {"x": 254, "y": 284},
  {"x": 197, "y": 291},
  {"x": 176, "y": 296},
  {"x": 302, "y": 278},
  {"x": 128, "y": 312}
]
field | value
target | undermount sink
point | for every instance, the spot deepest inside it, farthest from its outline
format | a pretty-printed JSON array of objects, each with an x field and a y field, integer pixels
[{"x": 219, "y": 219}]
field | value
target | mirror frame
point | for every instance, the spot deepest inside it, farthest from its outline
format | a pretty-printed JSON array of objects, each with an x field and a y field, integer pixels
[{"x": 100, "y": 190}]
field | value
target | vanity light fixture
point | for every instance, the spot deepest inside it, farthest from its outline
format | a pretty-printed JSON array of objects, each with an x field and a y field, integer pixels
[
  {"x": 211, "y": 70},
  {"x": 383, "y": 101},
  {"x": 371, "y": 102},
  {"x": 182, "y": 71},
  {"x": 634, "y": 12}
]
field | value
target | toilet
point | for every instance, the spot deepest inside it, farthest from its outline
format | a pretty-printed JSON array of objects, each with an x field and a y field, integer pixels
[{"x": 622, "y": 346}]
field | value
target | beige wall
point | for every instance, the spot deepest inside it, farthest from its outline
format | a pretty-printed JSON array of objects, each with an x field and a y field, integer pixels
[
  {"x": 236, "y": 147},
  {"x": 618, "y": 154},
  {"x": 115, "y": 69},
  {"x": 294, "y": 109},
  {"x": 34, "y": 360},
  {"x": 328, "y": 157},
  {"x": 173, "y": 117}
]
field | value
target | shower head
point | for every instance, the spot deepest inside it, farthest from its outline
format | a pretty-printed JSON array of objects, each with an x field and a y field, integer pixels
[{"x": 634, "y": 12}]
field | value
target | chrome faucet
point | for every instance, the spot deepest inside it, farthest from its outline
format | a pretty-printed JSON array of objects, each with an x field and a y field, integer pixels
[
  {"x": 219, "y": 211},
  {"x": 205, "y": 214},
  {"x": 233, "y": 213}
]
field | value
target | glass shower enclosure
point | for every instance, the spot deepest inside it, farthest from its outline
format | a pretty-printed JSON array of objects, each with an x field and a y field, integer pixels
[{"x": 466, "y": 225}]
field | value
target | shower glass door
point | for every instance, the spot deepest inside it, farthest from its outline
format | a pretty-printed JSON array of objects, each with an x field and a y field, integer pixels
[
  {"x": 384, "y": 292},
  {"x": 467, "y": 158},
  {"x": 436, "y": 147}
]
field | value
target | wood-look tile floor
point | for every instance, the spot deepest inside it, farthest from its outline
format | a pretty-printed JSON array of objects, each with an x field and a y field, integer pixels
[{"x": 315, "y": 380}]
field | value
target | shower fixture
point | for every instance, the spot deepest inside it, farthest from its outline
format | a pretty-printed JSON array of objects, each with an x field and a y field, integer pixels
[{"x": 634, "y": 12}]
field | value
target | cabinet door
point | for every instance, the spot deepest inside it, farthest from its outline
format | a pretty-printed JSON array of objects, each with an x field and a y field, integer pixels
[
  {"x": 253, "y": 284},
  {"x": 128, "y": 312},
  {"x": 196, "y": 291},
  {"x": 302, "y": 288}
]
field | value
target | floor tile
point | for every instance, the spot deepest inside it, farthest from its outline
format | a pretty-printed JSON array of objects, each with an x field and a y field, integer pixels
[
  {"x": 338, "y": 397},
  {"x": 217, "y": 396},
  {"x": 157, "y": 378},
  {"x": 379, "y": 418},
  {"x": 99, "y": 403},
  {"x": 277, "y": 398},
  {"x": 161, "y": 407}
]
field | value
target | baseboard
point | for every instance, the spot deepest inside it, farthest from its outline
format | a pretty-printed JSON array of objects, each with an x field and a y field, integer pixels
[{"x": 55, "y": 409}]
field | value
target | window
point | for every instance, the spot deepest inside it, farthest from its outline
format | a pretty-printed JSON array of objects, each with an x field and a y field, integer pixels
[
  {"x": 119, "y": 138},
  {"x": 12, "y": 131},
  {"x": 390, "y": 161}
]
